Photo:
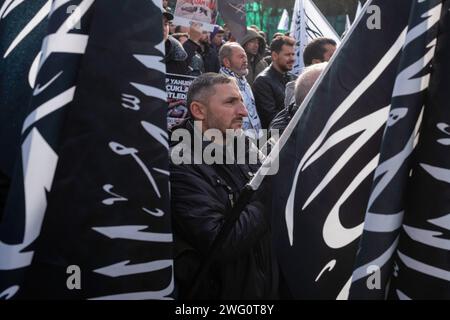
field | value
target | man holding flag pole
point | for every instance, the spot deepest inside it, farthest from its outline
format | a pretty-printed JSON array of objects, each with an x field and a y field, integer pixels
[{"x": 316, "y": 251}]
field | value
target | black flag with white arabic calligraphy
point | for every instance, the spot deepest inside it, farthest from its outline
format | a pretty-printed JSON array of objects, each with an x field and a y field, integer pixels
[
  {"x": 327, "y": 166},
  {"x": 22, "y": 28},
  {"x": 422, "y": 261},
  {"x": 390, "y": 195},
  {"x": 104, "y": 226},
  {"x": 40, "y": 130}
]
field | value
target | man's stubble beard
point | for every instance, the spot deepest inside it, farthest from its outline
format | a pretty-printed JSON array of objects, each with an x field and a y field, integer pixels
[{"x": 245, "y": 73}]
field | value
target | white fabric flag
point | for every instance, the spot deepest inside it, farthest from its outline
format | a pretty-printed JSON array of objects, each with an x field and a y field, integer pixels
[
  {"x": 298, "y": 31},
  {"x": 308, "y": 23},
  {"x": 284, "y": 21}
]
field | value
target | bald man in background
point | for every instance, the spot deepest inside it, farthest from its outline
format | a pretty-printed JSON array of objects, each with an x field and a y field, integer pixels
[{"x": 303, "y": 85}]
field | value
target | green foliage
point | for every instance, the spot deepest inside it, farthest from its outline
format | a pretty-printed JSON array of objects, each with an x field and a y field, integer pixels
[{"x": 266, "y": 13}]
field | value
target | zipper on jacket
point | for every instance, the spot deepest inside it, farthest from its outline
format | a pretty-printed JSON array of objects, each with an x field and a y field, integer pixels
[{"x": 228, "y": 190}]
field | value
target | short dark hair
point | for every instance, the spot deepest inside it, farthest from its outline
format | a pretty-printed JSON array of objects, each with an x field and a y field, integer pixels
[
  {"x": 316, "y": 49},
  {"x": 280, "y": 41},
  {"x": 203, "y": 87}
]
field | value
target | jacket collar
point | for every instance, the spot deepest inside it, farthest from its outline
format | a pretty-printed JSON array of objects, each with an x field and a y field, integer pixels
[
  {"x": 275, "y": 72},
  {"x": 282, "y": 77}
]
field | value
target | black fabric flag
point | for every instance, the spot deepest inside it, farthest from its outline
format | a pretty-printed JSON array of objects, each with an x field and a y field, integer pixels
[
  {"x": 22, "y": 28},
  {"x": 385, "y": 215},
  {"x": 88, "y": 212},
  {"x": 422, "y": 269},
  {"x": 327, "y": 166},
  {"x": 234, "y": 15}
]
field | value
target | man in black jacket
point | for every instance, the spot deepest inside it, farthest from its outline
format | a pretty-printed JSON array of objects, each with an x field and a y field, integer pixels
[
  {"x": 193, "y": 49},
  {"x": 243, "y": 266},
  {"x": 269, "y": 87},
  {"x": 175, "y": 57}
]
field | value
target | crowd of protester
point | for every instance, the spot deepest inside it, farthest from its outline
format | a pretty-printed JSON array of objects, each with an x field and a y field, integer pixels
[{"x": 265, "y": 66}]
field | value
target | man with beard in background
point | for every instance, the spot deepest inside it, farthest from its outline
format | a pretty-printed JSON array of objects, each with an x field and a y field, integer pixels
[
  {"x": 254, "y": 46},
  {"x": 233, "y": 60},
  {"x": 269, "y": 87}
]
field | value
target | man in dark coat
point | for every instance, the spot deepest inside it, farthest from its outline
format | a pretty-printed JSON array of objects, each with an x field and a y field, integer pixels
[
  {"x": 211, "y": 52},
  {"x": 319, "y": 50},
  {"x": 194, "y": 50},
  {"x": 176, "y": 57},
  {"x": 269, "y": 87},
  {"x": 243, "y": 266}
]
